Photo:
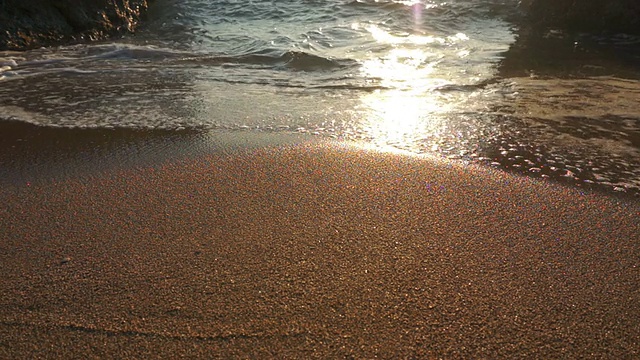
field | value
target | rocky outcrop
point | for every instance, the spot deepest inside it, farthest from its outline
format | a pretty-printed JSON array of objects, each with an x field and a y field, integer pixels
[
  {"x": 32, "y": 23},
  {"x": 595, "y": 16}
]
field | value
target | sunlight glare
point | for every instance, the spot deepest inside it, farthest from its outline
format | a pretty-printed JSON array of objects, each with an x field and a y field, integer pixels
[
  {"x": 409, "y": 106},
  {"x": 385, "y": 37},
  {"x": 398, "y": 117},
  {"x": 406, "y": 107}
]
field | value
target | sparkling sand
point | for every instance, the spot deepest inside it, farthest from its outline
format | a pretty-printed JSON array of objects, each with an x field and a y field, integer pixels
[{"x": 315, "y": 250}]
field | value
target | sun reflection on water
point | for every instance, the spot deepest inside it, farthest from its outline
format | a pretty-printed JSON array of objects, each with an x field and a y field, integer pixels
[
  {"x": 409, "y": 106},
  {"x": 396, "y": 117}
]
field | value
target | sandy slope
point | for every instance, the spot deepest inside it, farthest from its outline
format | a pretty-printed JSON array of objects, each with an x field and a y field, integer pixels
[{"x": 315, "y": 250}]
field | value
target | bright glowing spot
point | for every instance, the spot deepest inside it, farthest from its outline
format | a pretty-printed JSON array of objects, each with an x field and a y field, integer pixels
[
  {"x": 394, "y": 116},
  {"x": 409, "y": 2},
  {"x": 398, "y": 118},
  {"x": 458, "y": 37},
  {"x": 407, "y": 69},
  {"x": 385, "y": 37},
  {"x": 463, "y": 53},
  {"x": 410, "y": 108}
]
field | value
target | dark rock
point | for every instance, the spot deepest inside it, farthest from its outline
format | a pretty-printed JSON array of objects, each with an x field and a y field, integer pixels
[
  {"x": 32, "y": 23},
  {"x": 574, "y": 38},
  {"x": 613, "y": 16}
]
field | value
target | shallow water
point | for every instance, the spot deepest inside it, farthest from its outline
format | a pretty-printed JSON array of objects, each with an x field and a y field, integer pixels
[{"x": 457, "y": 79}]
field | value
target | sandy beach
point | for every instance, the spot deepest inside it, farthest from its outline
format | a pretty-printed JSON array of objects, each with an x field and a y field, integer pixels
[{"x": 312, "y": 250}]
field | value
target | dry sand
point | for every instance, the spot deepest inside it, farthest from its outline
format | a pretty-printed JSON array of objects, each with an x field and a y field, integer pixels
[{"x": 315, "y": 251}]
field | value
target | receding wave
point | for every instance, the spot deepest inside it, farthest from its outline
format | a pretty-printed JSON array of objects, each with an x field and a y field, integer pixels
[
  {"x": 355, "y": 87},
  {"x": 126, "y": 57},
  {"x": 378, "y": 4},
  {"x": 290, "y": 60}
]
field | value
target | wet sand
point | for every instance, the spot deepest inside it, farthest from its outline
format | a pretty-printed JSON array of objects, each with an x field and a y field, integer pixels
[{"x": 313, "y": 250}]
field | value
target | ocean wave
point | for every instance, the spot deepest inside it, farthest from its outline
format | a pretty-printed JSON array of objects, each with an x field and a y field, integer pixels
[
  {"x": 271, "y": 58},
  {"x": 132, "y": 52},
  {"x": 389, "y": 5},
  {"x": 83, "y": 60},
  {"x": 89, "y": 60}
]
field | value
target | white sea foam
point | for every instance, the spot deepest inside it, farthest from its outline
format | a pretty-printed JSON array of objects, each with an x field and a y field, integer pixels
[{"x": 8, "y": 62}]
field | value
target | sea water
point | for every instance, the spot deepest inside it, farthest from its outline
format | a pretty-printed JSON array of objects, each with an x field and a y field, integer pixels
[{"x": 460, "y": 79}]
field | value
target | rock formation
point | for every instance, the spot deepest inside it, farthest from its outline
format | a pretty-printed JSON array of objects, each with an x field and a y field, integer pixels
[{"x": 32, "y": 23}]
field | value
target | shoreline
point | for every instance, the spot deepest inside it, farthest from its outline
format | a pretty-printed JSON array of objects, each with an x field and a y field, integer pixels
[
  {"x": 313, "y": 249},
  {"x": 31, "y": 152}
]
